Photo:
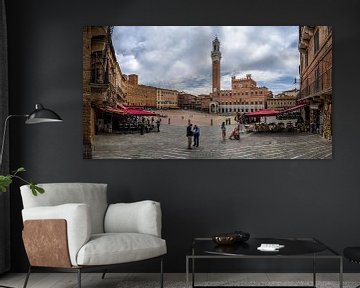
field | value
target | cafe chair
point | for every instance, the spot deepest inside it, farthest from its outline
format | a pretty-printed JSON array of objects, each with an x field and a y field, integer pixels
[{"x": 71, "y": 228}]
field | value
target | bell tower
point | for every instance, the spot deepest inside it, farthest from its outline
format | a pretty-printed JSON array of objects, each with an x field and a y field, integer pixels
[{"x": 216, "y": 57}]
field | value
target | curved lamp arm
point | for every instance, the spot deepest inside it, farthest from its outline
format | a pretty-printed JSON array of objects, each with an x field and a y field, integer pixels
[
  {"x": 4, "y": 134},
  {"x": 39, "y": 115}
]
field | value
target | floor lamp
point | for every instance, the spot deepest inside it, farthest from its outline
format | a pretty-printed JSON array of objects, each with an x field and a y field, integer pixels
[{"x": 39, "y": 115}]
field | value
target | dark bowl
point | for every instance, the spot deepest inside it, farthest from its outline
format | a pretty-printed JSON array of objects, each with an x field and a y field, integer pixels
[
  {"x": 225, "y": 239},
  {"x": 231, "y": 238}
]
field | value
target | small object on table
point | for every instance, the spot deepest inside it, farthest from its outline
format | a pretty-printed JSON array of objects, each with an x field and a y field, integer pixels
[
  {"x": 270, "y": 247},
  {"x": 224, "y": 239},
  {"x": 231, "y": 238}
]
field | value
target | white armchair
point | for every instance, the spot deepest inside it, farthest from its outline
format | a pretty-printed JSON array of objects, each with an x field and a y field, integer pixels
[{"x": 72, "y": 228}]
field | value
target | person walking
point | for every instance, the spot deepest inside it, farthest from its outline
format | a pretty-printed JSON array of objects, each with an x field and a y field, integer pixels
[
  {"x": 189, "y": 134},
  {"x": 223, "y": 131},
  {"x": 196, "y": 132}
]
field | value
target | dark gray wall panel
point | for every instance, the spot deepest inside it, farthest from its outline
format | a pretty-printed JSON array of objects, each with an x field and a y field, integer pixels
[{"x": 277, "y": 198}]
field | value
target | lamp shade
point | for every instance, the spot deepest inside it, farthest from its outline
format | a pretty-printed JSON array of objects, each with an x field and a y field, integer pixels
[{"x": 42, "y": 115}]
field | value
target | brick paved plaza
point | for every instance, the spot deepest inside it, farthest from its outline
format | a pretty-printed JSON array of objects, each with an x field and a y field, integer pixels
[{"x": 171, "y": 143}]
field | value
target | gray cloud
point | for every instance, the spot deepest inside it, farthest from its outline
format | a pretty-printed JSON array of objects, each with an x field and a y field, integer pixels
[{"x": 178, "y": 57}]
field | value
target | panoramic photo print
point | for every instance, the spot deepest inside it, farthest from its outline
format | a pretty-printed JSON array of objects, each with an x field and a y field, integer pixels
[{"x": 207, "y": 92}]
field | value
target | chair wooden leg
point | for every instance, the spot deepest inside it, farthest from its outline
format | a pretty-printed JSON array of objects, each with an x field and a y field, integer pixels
[
  {"x": 27, "y": 277},
  {"x": 79, "y": 277},
  {"x": 161, "y": 273}
]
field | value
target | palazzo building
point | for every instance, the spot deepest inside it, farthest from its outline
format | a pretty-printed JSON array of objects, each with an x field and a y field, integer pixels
[
  {"x": 187, "y": 101},
  {"x": 315, "y": 47},
  {"x": 283, "y": 100},
  {"x": 244, "y": 96},
  {"x": 103, "y": 82},
  {"x": 166, "y": 98},
  {"x": 149, "y": 96},
  {"x": 140, "y": 95},
  {"x": 192, "y": 102}
]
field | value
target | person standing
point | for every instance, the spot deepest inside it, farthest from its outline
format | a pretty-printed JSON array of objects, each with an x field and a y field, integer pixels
[
  {"x": 223, "y": 131},
  {"x": 158, "y": 124},
  {"x": 142, "y": 125},
  {"x": 189, "y": 134},
  {"x": 240, "y": 125},
  {"x": 196, "y": 132}
]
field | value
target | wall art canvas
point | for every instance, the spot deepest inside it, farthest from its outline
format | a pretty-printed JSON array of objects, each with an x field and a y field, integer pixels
[{"x": 207, "y": 92}]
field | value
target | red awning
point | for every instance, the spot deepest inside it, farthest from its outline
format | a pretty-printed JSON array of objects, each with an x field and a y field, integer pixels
[
  {"x": 297, "y": 107},
  {"x": 122, "y": 110},
  {"x": 138, "y": 112},
  {"x": 262, "y": 113},
  {"x": 112, "y": 110}
]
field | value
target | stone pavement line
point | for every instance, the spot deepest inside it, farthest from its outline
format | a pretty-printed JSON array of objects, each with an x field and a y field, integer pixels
[{"x": 171, "y": 143}]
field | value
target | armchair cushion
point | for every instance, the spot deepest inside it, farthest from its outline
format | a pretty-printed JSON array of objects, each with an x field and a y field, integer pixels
[
  {"x": 78, "y": 221},
  {"x": 138, "y": 217},
  {"x": 93, "y": 194},
  {"x": 113, "y": 248}
]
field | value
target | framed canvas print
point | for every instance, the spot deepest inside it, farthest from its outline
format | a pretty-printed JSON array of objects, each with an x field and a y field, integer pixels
[{"x": 207, "y": 92}]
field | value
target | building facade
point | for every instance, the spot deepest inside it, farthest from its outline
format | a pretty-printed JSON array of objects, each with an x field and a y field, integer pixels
[
  {"x": 140, "y": 95},
  {"x": 103, "y": 82},
  {"x": 283, "y": 100},
  {"x": 293, "y": 92},
  {"x": 187, "y": 101},
  {"x": 203, "y": 102},
  {"x": 166, "y": 99},
  {"x": 315, "y": 47},
  {"x": 244, "y": 96},
  {"x": 193, "y": 102},
  {"x": 149, "y": 96}
]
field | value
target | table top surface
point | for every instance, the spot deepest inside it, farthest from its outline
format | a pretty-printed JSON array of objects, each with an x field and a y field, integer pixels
[{"x": 292, "y": 247}]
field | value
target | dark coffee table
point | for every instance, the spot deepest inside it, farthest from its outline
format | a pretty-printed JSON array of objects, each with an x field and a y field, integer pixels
[{"x": 294, "y": 248}]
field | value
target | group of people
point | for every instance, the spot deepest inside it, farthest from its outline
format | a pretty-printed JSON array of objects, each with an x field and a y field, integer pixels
[
  {"x": 192, "y": 132},
  {"x": 147, "y": 125}
]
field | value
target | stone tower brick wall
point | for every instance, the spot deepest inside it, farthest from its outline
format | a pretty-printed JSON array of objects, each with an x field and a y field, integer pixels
[
  {"x": 216, "y": 75},
  {"x": 216, "y": 70},
  {"x": 86, "y": 113},
  {"x": 133, "y": 79}
]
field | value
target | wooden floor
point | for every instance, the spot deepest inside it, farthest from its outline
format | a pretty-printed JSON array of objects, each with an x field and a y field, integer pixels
[{"x": 117, "y": 280}]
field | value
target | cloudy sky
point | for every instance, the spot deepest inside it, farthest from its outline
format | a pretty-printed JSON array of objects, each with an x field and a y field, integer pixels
[{"x": 178, "y": 57}]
